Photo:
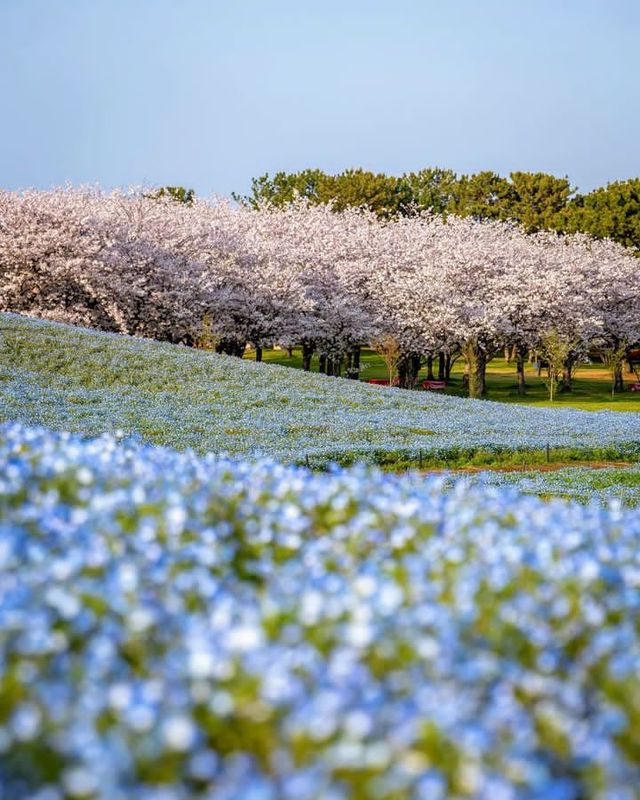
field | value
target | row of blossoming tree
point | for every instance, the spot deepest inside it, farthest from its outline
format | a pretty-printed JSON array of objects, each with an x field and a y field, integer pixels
[{"x": 211, "y": 272}]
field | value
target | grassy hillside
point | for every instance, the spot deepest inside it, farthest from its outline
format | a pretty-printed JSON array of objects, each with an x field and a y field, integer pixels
[{"x": 75, "y": 379}]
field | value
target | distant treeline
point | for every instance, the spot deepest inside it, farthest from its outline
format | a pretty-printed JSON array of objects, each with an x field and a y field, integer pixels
[{"x": 534, "y": 199}]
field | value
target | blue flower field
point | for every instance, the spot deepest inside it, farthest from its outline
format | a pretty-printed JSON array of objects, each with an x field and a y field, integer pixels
[{"x": 182, "y": 625}]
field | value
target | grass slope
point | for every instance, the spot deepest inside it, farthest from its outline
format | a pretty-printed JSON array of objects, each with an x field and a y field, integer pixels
[{"x": 68, "y": 378}]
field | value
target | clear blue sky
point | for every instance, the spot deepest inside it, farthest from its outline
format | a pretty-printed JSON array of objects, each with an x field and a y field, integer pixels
[{"x": 207, "y": 93}]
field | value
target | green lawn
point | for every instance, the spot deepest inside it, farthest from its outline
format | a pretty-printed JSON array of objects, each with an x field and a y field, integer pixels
[{"x": 591, "y": 388}]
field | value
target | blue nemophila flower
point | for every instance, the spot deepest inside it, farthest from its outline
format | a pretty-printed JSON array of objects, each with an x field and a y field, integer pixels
[{"x": 176, "y": 626}]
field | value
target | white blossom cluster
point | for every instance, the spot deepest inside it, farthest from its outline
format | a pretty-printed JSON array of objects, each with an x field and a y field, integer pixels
[
  {"x": 67, "y": 378},
  {"x": 142, "y": 265},
  {"x": 175, "y": 627}
]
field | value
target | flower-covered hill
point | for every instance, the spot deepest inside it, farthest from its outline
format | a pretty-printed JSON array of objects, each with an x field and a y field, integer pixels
[
  {"x": 69, "y": 378},
  {"x": 180, "y": 627}
]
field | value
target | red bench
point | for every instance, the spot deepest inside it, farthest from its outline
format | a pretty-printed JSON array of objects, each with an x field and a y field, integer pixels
[
  {"x": 634, "y": 387},
  {"x": 430, "y": 385},
  {"x": 382, "y": 382}
]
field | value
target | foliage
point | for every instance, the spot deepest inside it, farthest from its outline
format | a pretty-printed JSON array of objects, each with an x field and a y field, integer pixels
[
  {"x": 389, "y": 349},
  {"x": 357, "y": 188},
  {"x": 610, "y": 212},
  {"x": 536, "y": 200},
  {"x": 432, "y": 189},
  {"x": 177, "y": 193},
  {"x": 555, "y": 350},
  {"x": 539, "y": 199},
  {"x": 485, "y": 195},
  {"x": 206, "y": 338}
]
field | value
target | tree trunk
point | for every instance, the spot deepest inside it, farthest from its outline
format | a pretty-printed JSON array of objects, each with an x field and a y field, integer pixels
[
  {"x": 402, "y": 372},
  {"x": 416, "y": 362},
  {"x": 408, "y": 368},
  {"x": 470, "y": 377},
  {"x": 322, "y": 365},
  {"x": 481, "y": 373},
  {"x": 567, "y": 369},
  {"x": 520, "y": 354},
  {"x": 258, "y": 353},
  {"x": 447, "y": 367},
  {"x": 353, "y": 370},
  {"x": 475, "y": 358},
  {"x": 430, "y": 368},
  {"x": 618, "y": 380},
  {"x": 307, "y": 354},
  {"x": 441, "y": 367}
]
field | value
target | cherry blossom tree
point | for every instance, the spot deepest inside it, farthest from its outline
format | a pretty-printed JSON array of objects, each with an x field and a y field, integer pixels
[
  {"x": 139, "y": 263},
  {"x": 107, "y": 261}
]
